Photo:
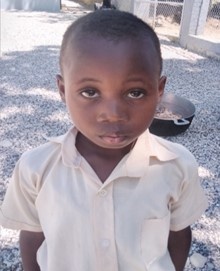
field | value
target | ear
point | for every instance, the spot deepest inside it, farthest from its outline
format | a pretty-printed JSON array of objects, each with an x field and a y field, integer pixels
[
  {"x": 161, "y": 87},
  {"x": 61, "y": 87}
]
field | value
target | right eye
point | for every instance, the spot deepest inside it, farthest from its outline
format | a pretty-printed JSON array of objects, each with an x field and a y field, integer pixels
[
  {"x": 136, "y": 94},
  {"x": 89, "y": 93}
]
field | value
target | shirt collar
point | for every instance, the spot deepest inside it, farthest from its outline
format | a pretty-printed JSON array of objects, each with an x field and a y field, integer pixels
[
  {"x": 136, "y": 162},
  {"x": 160, "y": 148},
  {"x": 148, "y": 146},
  {"x": 70, "y": 155}
]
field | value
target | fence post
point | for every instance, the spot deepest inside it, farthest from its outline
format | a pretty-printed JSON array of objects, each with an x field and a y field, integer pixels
[
  {"x": 142, "y": 10},
  {"x": 202, "y": 17},
  {"x": 186, "y": 21},
  {"x": 125, "y": 5},
  {"x": 193, "y": 19}
]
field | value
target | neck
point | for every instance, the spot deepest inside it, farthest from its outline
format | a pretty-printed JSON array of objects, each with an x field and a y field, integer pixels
[{"x": 102, "y": 160}]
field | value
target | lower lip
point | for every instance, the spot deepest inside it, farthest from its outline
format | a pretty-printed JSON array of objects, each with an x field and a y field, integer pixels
[{"x": 113, "y": 139}]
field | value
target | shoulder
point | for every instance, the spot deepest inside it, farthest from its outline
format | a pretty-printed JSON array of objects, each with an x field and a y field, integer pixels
[
  {"x": 39, "y": 158},
  {"x": 179, "y": 150}
]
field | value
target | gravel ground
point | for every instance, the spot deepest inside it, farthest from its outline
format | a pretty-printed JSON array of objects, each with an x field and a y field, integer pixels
[{"x": 31, "y": 108}]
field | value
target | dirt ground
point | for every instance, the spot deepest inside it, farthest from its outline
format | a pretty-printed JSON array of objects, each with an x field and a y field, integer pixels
[{"x": 212, "y": 29}]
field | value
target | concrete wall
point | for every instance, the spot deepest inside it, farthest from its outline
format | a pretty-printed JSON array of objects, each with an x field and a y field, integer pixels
[
  {"x": 203, "y": 45},
  {"x": 31, "y": 5}
]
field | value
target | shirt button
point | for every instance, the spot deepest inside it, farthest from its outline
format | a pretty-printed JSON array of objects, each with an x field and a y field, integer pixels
[
  {"x": 102, "y": 193},
  {"x": 105, "y": 243}
]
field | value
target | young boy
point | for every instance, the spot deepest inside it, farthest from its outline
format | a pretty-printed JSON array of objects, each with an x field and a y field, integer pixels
[{"x": 107, "y": 195}]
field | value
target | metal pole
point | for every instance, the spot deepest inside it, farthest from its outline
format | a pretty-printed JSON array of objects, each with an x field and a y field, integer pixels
[
  {"x": 155, "y": 12},
  {"x": 133, "y": 6}
]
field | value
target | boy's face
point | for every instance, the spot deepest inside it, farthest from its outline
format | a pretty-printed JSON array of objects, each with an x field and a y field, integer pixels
[{"x": 111, "y": 90}]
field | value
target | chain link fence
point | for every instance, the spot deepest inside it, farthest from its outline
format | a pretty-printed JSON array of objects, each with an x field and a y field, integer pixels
[
  {"x": 164, "y": 16},
  {"x": 212, "y": 26}
]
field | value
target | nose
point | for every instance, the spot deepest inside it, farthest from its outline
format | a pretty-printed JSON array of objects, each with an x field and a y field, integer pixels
[{"x": 112, "y": 111}]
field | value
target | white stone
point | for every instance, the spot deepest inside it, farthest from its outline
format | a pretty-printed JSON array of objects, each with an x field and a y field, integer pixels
[
  {"x": 5, "y": 143},
  {"x": 198, "y": 260}
]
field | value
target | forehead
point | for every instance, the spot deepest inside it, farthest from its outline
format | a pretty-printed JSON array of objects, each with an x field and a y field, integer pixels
[{"x": 139, "y": 51}]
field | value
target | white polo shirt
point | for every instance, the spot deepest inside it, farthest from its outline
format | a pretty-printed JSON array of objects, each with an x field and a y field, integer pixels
[{"x": 120, "y": 225}]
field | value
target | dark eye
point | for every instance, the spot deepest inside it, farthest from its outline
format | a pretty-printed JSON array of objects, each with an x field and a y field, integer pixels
[
  {"x": 89, "y": 93},
  {"x": 136, "y": 94}
]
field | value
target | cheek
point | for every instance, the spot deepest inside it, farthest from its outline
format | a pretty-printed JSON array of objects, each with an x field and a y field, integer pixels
[
  {"x": 144, "y": 116},
  {"x": 145, "y": 111},
  {"x": 145, "y": 119},
  {"x": 80, "y": 115}
]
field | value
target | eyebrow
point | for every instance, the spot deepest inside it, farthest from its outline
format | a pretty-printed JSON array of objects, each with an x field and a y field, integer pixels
[
  {"x": 94, "y": 80},
  {"x": 135, "y": 79},
  {"x": 88, "y": 79}
]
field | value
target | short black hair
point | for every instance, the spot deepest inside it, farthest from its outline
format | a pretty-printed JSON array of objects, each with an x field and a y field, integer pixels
[{"x": 113, "y": 25}]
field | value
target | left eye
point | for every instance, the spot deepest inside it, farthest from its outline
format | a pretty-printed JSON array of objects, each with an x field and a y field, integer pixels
[
  {"x": 89, "y": 93},
  {"x": 136, "y": 94}
]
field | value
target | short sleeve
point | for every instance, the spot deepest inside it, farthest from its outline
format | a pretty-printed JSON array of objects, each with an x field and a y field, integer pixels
[
  {"x": 18, "y": 210},
  {"x": 191, "y": 202}
]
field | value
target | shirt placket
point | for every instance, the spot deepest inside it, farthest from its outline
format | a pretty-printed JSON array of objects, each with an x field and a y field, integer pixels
[{"x": 103, "y": 222}]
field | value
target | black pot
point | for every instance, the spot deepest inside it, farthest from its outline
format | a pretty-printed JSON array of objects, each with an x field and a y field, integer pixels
[{"x": 178, "y": 106}]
